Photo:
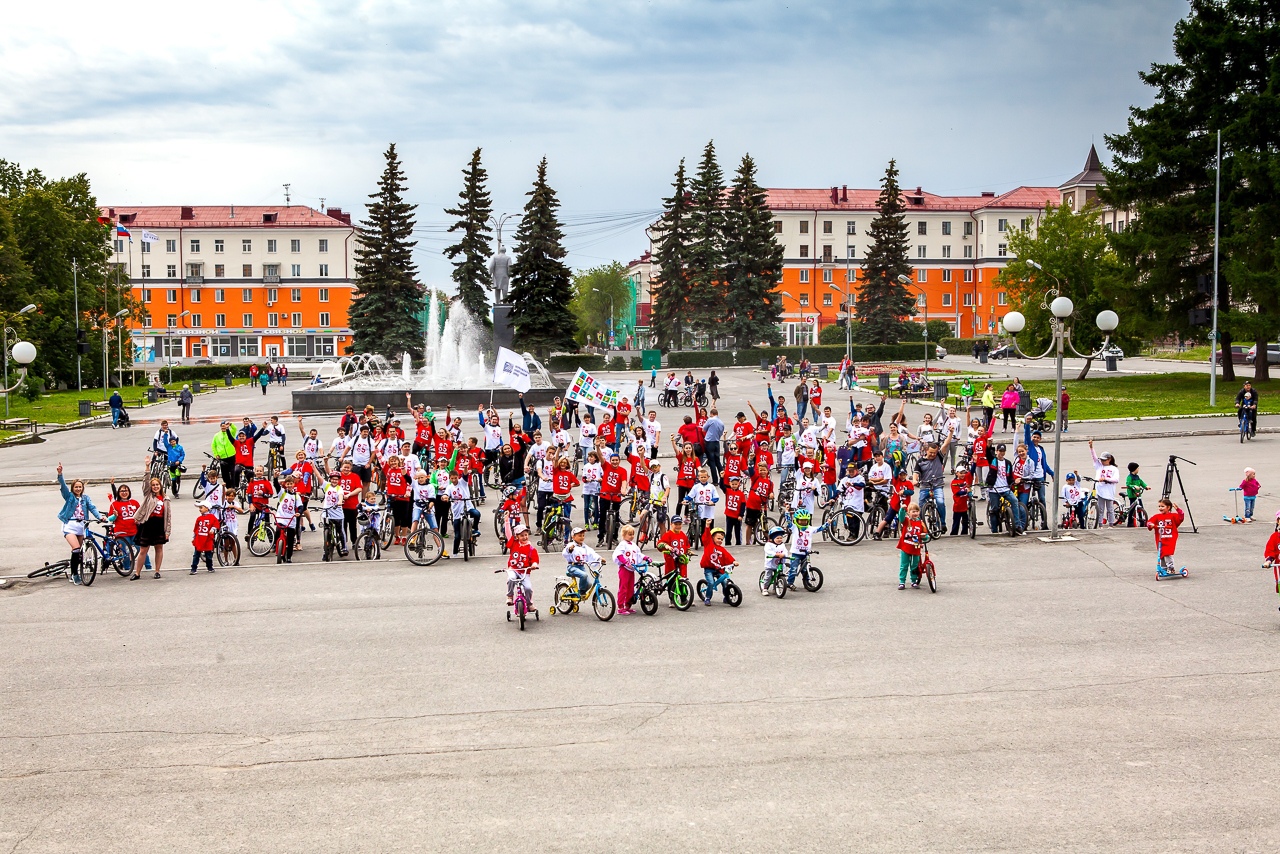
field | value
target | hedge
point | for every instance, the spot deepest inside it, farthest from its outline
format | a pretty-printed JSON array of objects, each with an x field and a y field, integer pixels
[
  {"x": 831, "y": 355},
  {"x": 963, "y": 346},
  {"x": 700, "y": 359},
  {"x": 570, "y": 362},
  {"x": 186, "y": 373}
]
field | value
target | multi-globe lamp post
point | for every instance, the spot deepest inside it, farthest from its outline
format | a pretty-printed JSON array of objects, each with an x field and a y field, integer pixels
[
  {"x": 23, "y": 352},
  {"x": 1061, "y": 308}
]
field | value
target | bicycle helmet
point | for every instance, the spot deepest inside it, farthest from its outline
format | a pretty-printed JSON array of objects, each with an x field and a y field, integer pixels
[
  {"x": 719, "y": 531},
  {"x": 509, "y": 491},
  {"x": 803, "y": 517},
  {"x": 778, "y": 531}
]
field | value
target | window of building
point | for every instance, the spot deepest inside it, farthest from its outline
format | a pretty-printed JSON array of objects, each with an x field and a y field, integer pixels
[
  {"x": 1002, "y": 225},
  {"x": 946, "y": 251},
  {"x": 246, "y": 319},
  {"x": 146, "y": 270},
  {"x": 172, "y": 271},
  {"x": 219, "y": 295},
  {"x": 826, "y": 226},
  {"x": 826, "y": 299},
  {"x": 197, "y": 349},
  {"x": 777, "y": 226},
  {"x": 195, "y": 271},
  {"x": 826, "y": 276},
  {"x": 1026, "y": 223},
  {"x": 220, "y": 321},
  {"x": 324, "y": 270},
  {"x": 272, "y": 295},
  {"x": 193, "y": 295},
  {"x": 146, "y": 294},
  {"x": 1002, "y": 250},
  {"x": 946, "y": 275},
  {"x": 804, "y": 250},
  {"x": 324, "y": 295},
  {"x": 324, "y": 318},
  {"x": 921, "y": 301},
  {"x": 249, "y": 347},
  {"x": 979, "y": 299},
  {"x": 119, "y": 246},
  {"x": 922, "y": 275},
  {"x": 851, "y": 226},
  {"x": 804, "y": 276},
  {"x": 246, "y": 271},
  {"x": 324, "y": 244},
  {"x": 295, "y": 245},
  {"x": 1111, "y": 226},
  {"x": 946, "y": 228},
  {"x": 967, "y": 299},
  {"x": 295, "y": 294},
  {"x": 968, "y": 275},
  {"x": 968, "y": 228},
  {"x": 146, "y": 247},
  {"x": 968, "y": 251},
  {"x": 146, "y": 322},
  {"x": 171, "y": 320},
  {"x": 826, "y": 253},
  {"x": 219, "y": 245},
  {"x": 273, "y": 319},
  {"x": 195, "y": 245},
  {"x": 271, "y": 245},
  {"x": 171, "y": 246},
  {"x": 1002, "y": 298},
  {"x": 295, "y": 270},
  {"x": 804, "y": 299},
  {"x": 171, "y": 347},
  {"x": 219, "y": 271},
  {"x": 804, "y": 226},
  {"x": 220, "y": 346},
  {"x": 850, "y": 248},
  {"x": 271, "y": 272},
  {"x": 922, "y": 251},
  {"x": 246, "y": 245},
  {"x": 246, "y": 295},
  {"x": 1123, "y": 223},
  {"x": 946, "y": 300},
  {"x": 196, "y": 321},
  {"x": 922, "y": 228},
  {"x": 297, "y": 318},
  {"x": 295, "y": 346},
  {"x": 324, "y": 345}
]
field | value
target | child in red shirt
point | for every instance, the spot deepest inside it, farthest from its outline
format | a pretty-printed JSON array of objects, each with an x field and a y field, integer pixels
[
  {"x": 1272, "y": 552},
  {"x": 960, "y": 486},
  {"x": 716, "y": 562},
  {"x": 913, "y": 536},
  {"x": 734, "y": 502},
  {"x": 674, "y": 545},
  {"x": 563, "y": 480},
  {"x": 522, "y": 559},
  {"x": 1165, "y": 524},
  {"x": 206, "y": 531},
  {"x": 259, "y": 492}
]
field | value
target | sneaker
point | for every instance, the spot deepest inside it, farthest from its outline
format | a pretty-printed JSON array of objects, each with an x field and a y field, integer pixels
[
  {"x": 210, "y": 569},
  {"x": 625, "y": 611},
  {"x": 194, "y": 571},
  {"x": 902, "y": 587},
  {"x": 764, "y": 592},
  {"x": 915, "y": 585},
  {"x": 706, "y": 600},
  {"x": 75, "y": 578},
  {"x": 313, "y": 527}
]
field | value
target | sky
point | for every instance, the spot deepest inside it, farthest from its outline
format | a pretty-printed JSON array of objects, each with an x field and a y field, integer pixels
[{"x": 223, "y": 103}]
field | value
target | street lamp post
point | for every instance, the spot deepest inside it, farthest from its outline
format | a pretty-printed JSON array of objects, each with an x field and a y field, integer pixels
[
  {"x": 16, "y": 355},
  {"x": 168, "y": 345},
  {"x": 610, "y": 296},
  {"x": 802, "y": 322},
  {"x": 1061, "y": 308},
  {"x": 904, "y": 280},
  {"x": 120, "y": 315},
  {"x": 848, "y": 320}
]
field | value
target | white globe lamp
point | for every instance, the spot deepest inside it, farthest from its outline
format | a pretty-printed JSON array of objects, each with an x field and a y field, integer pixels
[
  {"x": 24, "y": 352},
  {"x": 1108, "y": 321},
  {"x": 1013, "y": 322},
  {"x": 1062, "y": 308}
]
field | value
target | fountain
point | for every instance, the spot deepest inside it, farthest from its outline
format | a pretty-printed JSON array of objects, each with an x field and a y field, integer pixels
[{"x": 455, "y": 373}]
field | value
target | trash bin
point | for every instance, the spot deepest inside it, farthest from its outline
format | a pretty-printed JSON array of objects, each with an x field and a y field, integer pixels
[
  {"x": 939, "y": 389},
  {"x": 1024, "y": 403},
  {"x": 227, "y": 379},
  {"x": 820, "y": 371},
  {"x": 982, "y": 358},
  {"x": 86, "y": 408},
  {"x": 882, "y": 381},
  {"x": 1112, "y": 363},
  {"x": 195, "y": 386}
]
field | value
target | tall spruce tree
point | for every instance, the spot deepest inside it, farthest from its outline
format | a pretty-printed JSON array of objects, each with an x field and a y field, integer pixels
[
  {"x": 471, "y": 271},
  {"x": 388, "y": 299},
  {"x": 671, "y": 254},
  {"x": 753, "y": 262},
  {"x": 706, "y": 308},
  {"x": 1224, "y": 78},
  {"x": 541, "y": 284},
  {"x": 883, "y": 301}
]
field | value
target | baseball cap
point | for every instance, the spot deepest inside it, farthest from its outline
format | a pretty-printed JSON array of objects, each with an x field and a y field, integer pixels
[
  {"x": 578, "y": 530},
  {"x": 520, "y": 529}
]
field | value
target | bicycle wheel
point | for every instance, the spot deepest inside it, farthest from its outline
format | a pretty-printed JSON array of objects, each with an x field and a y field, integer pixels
[
  {"x": 931, "y": 575},
  {"x": 648, "y": 602},
  {"x": 423, "y": 547},
  {"x": 766, "y": 581},
  {"x": 780, "y": 585},
  {"x": 732, "y": 594},
  {"x": 521, "y": 610},
  {"x": 197, "y": 487},
  {"x": 261, "y": 540},
  {"x": 813, "y": 579},
  {"x": 761, "y": 533},
  {"x": 1139, "y": 517},
  {"x": 367, "y": 547},
  {"x": 680, "y": 594},
  {"x": 611, "y": 532},
  {"x": 120, "y": 557},
  {"x": 89, "y": 569},
  {"x": 165, "y": 481},
  {"x": 475, "y": 485},
  {"x": 1094, "y": 518},
  {"x": 330, "y": 542},
  {"x": 227, "y": 548},
  {"x": 973, "y": 517},
  {"x": 874, "y": 518},
  {"x": 497, "y": 523},
  {"x": 635, "y": 505},
  {"x": 465, "y": 530},
  {"x": 560, "y": 600},
  {"x": 386, "y": 529},
  {"x": 51, "y": 569},
  {"x": 604, "y": 605},
  {"x": 1008, "y": 519}
]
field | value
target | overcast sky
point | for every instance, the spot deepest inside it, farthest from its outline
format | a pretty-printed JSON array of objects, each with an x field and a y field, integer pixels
[{"x": 222, "y": 103}]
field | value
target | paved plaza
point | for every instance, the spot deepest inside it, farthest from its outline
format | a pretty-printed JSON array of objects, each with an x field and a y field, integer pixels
[{"x": 1050, "y": 697}]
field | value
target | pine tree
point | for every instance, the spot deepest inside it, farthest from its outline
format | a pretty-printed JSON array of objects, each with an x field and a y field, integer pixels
[
  {"x": 471, "y": 272},
  {"x": 388, "y": 299},
  {"x": 671, "y": 251},
  {"x": 883, "y": 301},
  {"x": 706, "y": 309},
  {"x": 541, "y": 284},
  {"x": 753, "y": 262}
]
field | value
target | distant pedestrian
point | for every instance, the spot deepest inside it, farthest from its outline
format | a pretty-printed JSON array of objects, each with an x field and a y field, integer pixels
[
  {"x": 263, "y": 379},
  {"x": 117, "y": 406},
  {"x": 184, "y": 400},
  {"x": 1062, "y": 408}
]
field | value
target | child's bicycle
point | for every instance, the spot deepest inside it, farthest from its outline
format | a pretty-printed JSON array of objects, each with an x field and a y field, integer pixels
[
  {"x": 1275, "y": 569},
  {"x": 555, "y": 527},
  {"x": 566, "y": 597},
  {"x": 732, "y": 592},
  {"x": 521, "y": 606},
  {"x": 646, "y": 589},
  {"x": 675, "y": 585},
  {"x": 927, "y": 570},
  {"x": 262, "y": 533},
  {"x": 1161, "y": 571},
  {"x": 368, "y": 545}
]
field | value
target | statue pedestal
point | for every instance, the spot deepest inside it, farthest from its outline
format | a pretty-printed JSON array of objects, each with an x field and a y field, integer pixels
[{"x": 503, "y": 332}]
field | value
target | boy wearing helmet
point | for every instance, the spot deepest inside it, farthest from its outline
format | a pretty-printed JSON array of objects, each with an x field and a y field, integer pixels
[
  {"x": 801, "y": 543},
  {"x": 674, "y": 545},
  {"x": 775, "y": 552},
  {"x": 716, "y": 562}
]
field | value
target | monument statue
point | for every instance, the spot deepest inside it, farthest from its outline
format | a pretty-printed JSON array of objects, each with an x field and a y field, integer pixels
[{"x": 500, "y": 270}]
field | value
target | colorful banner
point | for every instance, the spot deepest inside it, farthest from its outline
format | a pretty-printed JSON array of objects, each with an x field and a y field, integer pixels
[
  {"x": 511, "y": 371},
  {"x": 589, "y": 391}
]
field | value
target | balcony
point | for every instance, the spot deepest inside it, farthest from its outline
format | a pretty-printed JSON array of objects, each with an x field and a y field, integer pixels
[
  {"x": 271, "y": 279},
  {"x": 194, "y": 280}
]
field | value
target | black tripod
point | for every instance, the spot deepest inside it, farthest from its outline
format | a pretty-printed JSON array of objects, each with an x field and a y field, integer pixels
[{"x": 1170, "y": 472}]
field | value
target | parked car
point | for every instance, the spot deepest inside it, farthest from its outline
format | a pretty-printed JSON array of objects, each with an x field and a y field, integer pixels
[
  {"x": 1238, "y": 356},
  {"x": 1113, "y": 352},
  {"x": 1004, "y": 352},
  {"x": 1273, "y": 354}
]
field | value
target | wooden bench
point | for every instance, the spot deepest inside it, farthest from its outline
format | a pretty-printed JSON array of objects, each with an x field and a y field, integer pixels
[{"x": 20, "y": 424}]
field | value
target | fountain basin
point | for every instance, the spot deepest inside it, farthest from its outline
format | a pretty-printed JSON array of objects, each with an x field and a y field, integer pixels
[{"x": 336, "y": 399}]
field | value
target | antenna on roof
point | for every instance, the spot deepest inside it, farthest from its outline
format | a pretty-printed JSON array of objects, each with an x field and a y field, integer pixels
[
  {"x": 322, "y": 204},
  {"x": 286, "y": 194}
]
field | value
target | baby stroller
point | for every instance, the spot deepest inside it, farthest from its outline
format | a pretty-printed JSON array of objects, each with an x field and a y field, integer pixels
[
  {"x": 123, "y": 420},
  {"x": 1041, "y": 422}
]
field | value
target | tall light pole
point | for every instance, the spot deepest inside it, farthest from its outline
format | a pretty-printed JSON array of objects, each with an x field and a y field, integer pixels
[
  {"x": 1061, "y": 308},
  {"x": 802, "y": 321},
  {"x": 610, "y": 296},
  {"x": 27, "y": 309},
  {"x": 848, "y": 320},
  {"x": 905, "y": 281},
  {"x": 1213, "y": 336},
  {"x": 168, "y": 345},
  {"x": 120, "y": 315}
]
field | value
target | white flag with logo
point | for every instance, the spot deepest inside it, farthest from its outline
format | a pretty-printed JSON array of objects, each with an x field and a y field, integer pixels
[
  {"x": 511, "y": 370},
  {"x": 150, "y": 237}
]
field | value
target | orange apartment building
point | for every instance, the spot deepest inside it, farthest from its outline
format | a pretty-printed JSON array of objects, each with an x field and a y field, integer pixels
[{"x": 237, "y": 284}]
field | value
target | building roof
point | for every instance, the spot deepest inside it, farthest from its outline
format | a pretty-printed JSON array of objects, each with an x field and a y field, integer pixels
[
  {"x": 227, "y": 216},
  {"x": 851, "y": 199},
  {"x": 1092, "y": 175}
]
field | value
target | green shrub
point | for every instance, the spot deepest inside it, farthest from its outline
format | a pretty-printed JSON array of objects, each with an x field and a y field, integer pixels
[
  {"x": 633, "y": 364},
  {"x": 187, "y": 373},
  {"x": 962, "y": 346},
  {"x": 568, "y": 363},
  {"x": 832, "y": 334},
  {"x": 700, "y": 359},
  {"x": 32, "y": 388},
  {"x": 616, "y": 363},
  {"x": 832, "y": 355}
]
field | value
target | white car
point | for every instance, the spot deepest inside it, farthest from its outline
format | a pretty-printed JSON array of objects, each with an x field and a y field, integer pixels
[{"x": 1113, "y": 352}]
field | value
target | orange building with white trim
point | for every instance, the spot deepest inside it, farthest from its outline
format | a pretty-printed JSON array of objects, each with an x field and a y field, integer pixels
[{"x": 237, "y": 284}]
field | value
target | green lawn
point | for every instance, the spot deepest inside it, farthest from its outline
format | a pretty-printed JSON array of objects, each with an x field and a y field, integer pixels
[
  {"x": 61, "y": 407},
  {"x": 1149, "y": 396},
  {"x": 1191, "y": 354}
]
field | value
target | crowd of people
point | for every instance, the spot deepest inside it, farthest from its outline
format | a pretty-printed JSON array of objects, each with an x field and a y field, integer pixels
[{"x": 706, "y": 486}]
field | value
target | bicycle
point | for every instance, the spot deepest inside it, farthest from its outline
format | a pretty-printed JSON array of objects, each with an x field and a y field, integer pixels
[
  {"x": 878, "y": 513},
  {"x": 609, "y": 526},
  {"x": 520, "y": 605},
  {"x": 108, "y": 549},
  {"x": 927, "y": 570},
  {"x": 567, "y": 597},
  {"x": 675, "y": 585},
  {"x": 475, "y": 482},
  {"x": 332, "y": 539},
  {"x": 646, "y": 589},
  {"x": 1132, "y": 514},
  {"x": 776, "y": 578},
  {"x": 159, "y": 469},
  {"x": 467, "y": 534},
  {"x": 635, "y": 502},
  {"x": 423, "y": 547},
  {"x": 761, "y": 533},
  {"x": 275, "y": 462},
  {"x": 843, "y": 526},
  {"x": 697, "y": 525},
  {"x": 1037, "y": 516},
  {"x": 555, "y": 527},
  {"x": 732, "y": 592},
  {"x": 226, "y": 548},
  {"x": 201, "y": 484},
  {"x": 262, "y": 533},
  {"x": 368, "y": 544},
  {"x": 1248, "y": 426},
  {"x": 61, "y": 567},
  {"x": 929, "y": 515},
  {"x": 1002, "y": 515}
]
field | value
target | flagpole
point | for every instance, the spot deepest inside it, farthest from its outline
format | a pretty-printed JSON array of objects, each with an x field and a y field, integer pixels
[{"x": 75, "y": 286}]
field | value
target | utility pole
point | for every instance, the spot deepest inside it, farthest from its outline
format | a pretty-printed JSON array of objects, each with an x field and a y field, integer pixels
[
  {"x": 1214, "y": 347},
  {"x": 75, "y": 285}
]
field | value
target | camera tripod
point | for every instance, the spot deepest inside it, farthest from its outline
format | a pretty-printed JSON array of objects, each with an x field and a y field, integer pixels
[{"x": 1171, "y": 472}]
